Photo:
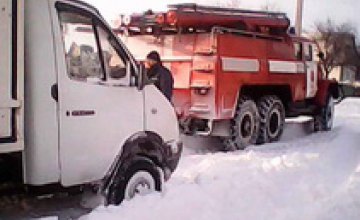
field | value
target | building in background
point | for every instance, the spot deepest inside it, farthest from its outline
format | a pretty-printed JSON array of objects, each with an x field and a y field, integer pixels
[{"x": 347, "y": 60}]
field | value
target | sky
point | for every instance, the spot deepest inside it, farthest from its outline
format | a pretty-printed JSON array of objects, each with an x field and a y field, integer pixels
[{"x": 314, "y": 10}]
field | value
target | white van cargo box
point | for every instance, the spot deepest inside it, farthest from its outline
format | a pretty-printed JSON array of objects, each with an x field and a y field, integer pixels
[{"x": 11, "y": 75}]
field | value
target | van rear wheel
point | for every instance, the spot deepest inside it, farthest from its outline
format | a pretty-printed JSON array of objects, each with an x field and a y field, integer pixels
[
  {"x": 140, "y": 179},
  {"x": 244, "y": 126},
  {"x": 272, "y": 119}
]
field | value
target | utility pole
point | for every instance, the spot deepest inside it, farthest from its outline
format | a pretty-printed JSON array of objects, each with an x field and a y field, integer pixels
[{"x": 299, "y": 17}]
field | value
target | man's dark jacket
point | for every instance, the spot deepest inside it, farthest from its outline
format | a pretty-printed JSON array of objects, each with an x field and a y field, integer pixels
[{"x": 162, "y": 79}]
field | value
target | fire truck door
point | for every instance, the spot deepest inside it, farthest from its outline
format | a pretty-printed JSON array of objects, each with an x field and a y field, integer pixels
[{"x": 311, "y": 71}]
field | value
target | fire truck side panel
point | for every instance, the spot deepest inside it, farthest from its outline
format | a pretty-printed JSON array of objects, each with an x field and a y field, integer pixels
[
  {"x": 191, "y": 73},
  {"x": 180, "y": 65},
  {"x": 239, "y": 62},
  {"x": 203, "y": 78},
  {"x": 211, "y": 71},
  {"x": 258, "y": 63}
]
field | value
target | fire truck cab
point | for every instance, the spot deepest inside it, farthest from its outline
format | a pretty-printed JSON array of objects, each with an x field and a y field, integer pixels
[{"x": 238, "y": 73}]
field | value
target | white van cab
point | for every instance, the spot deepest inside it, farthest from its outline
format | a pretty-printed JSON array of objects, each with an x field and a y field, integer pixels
[{"x": 74, "y": 105}]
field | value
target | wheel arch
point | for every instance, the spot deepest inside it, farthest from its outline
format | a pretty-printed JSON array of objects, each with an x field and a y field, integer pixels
[
  {"x": 257, "y": 91},
  {"x": 325, "y": 88},
  {"x": 147, "y": 145}
]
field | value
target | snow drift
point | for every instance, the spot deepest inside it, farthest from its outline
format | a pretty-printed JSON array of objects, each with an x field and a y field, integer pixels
[{"x": 311, "y": 177}]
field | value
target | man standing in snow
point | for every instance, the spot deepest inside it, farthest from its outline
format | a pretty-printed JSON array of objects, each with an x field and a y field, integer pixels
[{"x": 159, "y": 74}]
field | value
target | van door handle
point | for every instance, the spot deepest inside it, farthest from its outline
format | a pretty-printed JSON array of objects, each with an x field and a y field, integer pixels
[
  {"x": 80, "y": 113},
  {"x": 154, "y": 111},
  {"x": 55, "y": 92}
]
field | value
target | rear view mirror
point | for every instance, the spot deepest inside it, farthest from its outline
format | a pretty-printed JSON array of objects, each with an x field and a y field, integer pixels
[
  {"x": 120, "y": 76},
  {"x": 321, "y": 55}
]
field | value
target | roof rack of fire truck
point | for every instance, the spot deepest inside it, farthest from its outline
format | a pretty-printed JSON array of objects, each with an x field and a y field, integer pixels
[
  {"x": 224, "y": 10},
  {"x": 196, "y": 17}
]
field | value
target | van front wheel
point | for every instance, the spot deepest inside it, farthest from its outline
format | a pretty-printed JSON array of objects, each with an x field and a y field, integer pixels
[{"x": 140, "y": 179}]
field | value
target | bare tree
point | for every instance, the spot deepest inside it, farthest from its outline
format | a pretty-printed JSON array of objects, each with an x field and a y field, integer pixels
[
  {"x": 228, "y": 3},
  {"x": 233, "y": 3},
  {"x": 337, "y": 44},
  {"x": 270, "y": 6}
]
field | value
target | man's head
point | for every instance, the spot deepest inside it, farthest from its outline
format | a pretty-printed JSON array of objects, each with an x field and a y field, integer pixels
[{"x": 152, "y": 59}]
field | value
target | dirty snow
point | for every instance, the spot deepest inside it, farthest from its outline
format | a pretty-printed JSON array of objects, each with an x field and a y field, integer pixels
[
  {"x": 309, "y": 177},
  {"x": 48, "y": 218}
]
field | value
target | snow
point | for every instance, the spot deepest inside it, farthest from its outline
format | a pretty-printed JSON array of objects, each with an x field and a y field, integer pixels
[
  {"x": 314, "y": 176},
  {"x": 49, "y": 218}
]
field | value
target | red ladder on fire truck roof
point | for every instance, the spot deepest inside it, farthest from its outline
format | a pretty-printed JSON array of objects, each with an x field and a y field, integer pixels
[
  {"x": 223, "y": 10},
  {"x": 206, "y": 17},
  {"x": 193, "y": 15}
]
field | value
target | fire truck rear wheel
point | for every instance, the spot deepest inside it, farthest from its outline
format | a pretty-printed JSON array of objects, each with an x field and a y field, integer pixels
[
  {"x": 272, "y": 119},
  {"x": 244, "y": 126},
  {"x": 324, "y": 120}
]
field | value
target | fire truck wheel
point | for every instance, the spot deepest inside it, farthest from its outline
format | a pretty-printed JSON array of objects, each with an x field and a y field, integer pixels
[
  {"x": 324, "y": 120},
  {"x": 245, "y": 126},
  {"x": 141, "y": 178},
  {"x": 272, "y": 119}
]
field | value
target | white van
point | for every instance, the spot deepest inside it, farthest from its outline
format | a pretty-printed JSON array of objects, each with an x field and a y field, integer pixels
[{"x": 74, "y": 108}]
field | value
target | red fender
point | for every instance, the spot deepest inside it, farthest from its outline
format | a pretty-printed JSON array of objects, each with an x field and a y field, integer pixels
[{"x": 326, "y": 87}]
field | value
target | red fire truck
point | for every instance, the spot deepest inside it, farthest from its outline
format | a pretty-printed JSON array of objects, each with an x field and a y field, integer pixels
[{"x": 238, "y": 73}]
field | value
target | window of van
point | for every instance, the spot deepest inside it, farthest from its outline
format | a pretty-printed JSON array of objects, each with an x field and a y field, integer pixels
[
  {"x": 114, "y": 65},
  {"x": 81, "y": 48},
  {"x": 91, "y": 52}
]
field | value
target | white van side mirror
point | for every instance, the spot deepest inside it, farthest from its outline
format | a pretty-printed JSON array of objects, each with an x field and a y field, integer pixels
[
  {"x": 141, "y": 79},
  {"x": 121, "y": 81}
]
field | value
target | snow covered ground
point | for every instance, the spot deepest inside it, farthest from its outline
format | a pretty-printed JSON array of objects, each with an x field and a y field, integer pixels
[{"x": 306, "y": 177}]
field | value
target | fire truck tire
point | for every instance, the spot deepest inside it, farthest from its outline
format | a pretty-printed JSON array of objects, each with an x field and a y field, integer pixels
[
  {"x": 272, "y": 119},
  {"x": 324, "y": 120},
  {"x": 244, "y": 126}
]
